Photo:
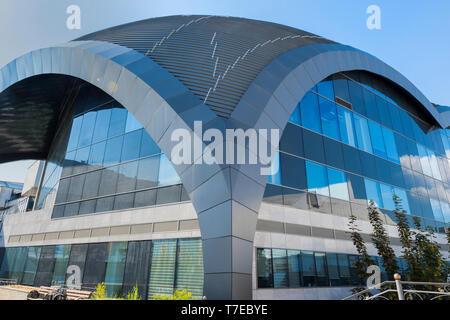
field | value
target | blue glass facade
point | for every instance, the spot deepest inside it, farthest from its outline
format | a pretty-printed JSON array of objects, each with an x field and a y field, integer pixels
[
  {"x": 281, "y": 268},
  {"x": 157, "y": 266},
  {"x": 348, "y": 142},
  {"x": 106, "y": 161}
]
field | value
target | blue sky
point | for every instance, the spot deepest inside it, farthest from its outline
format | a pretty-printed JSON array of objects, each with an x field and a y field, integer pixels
[{"x": 414, "y": 35}]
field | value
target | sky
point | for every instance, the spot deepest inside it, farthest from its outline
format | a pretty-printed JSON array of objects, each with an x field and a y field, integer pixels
[{"x": 414, "y": 35}]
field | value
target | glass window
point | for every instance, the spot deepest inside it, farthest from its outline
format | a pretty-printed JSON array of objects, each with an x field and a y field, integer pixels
[
  {"x": 434, "y": 165},
  {"x": 31, "y": 265},
  {"x": 391, "y": 148},
  {"x": 387, "y": 194},
  {"x": 338, "y": 184},
  {"x": 344, "y": 270},
  {"x": 72, "y": 209},
  {"x": 437, "y": 211},
  {"x": 87, "y": 207},
  {"x": 75, "y": 133},
  {"x": 308, "y": 269},
  {"x": 309, "y": 112},
  {"x": 167, "y": 174},
  {"x": 145, "y": 198},
  {"x": 352, "y": 160},
  {"x": 101, "y": 125},
  {"x": 104, "y": 204},
  {"x": 62, "y": 253},
  {"x": 347, "y": 132},
  {"x": 362, "y": 134},
  {"x": 383, "y": 110},
  {"x": 81, "y": 160},
  {"x": 377, "y": 140},
  {"x": 321, "y": 269},
  {"x": 115, "y": 266},
  {"x": 292, "y": 140},
  {"x": 294, "y": 268},
  {"x": 108, "y": 181},
  {"x": 371, "y": 106},
  {"x": 317, "y": 178},
  {"x": 132, "y": 123},
  {"x": 333, "y": 269},
  {"x": 357, "y": 189},
  {"x": 424, "y": 161},
  {"x": 123, "y": 201},
  {"x": 333, "y": 153},
  {"x": 190, "y": 266},
  {"x": 403, "y": 198},
  {"x": 94, "y": 268},
  {"x": 341, "y": 88},
  {"x": 445, "y": 211},
  {"x": 295, "y": 115},
  {"x": 76, "y": 188},
  {"x": 131, "y": 144},
  {"x": 118, "y": 122},
  {"x": 127, "y": 177},
  {"x": 87, "y": 129},
  {"x": 280, "y": 268},
  {"x": 313, "y": 145},
  {"x": 264, "y": 268},
  {"x": 373, "y": 192},
  {"x": 325, "y": 89},
  {"x": 356, "y": 97},
  {"x": 113, "y": 151},
  {"x": 147, "y": 175},
  {"x": 91, "y": 184},
  {"x": 162, "y": 271},
  {"x": 148, "y": 146},
  {"x": 168, "y": 194},
  {"x": 292, "y": 172},
  {"x": 96, "y": 155},
  {"x": 329, "y": 119}
]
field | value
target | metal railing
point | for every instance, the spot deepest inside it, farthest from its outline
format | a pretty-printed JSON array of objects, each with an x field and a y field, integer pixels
[{"x": 404, "y": 290}]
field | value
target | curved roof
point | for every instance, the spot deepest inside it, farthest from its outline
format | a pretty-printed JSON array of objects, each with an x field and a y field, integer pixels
[
  {"x": 199, "y": 67},
  {"x": 215, "y": 57}
]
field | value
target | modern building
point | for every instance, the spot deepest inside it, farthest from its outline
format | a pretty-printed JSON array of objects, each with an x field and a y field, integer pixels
[{"x": 111, "y": 205}]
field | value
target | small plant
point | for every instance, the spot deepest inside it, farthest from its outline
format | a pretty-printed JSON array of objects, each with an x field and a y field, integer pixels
[
  {"x": 178, "y": 295},
  {"x": 133, "y": 294},
  {"x": 100, "y": 292}
]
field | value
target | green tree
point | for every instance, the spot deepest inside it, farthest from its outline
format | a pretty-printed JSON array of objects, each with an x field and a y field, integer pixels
[
  {"x": 364, "y": 260},
  {"x": 407, "y": 241},
  {"x": 433, "y": 267},
  {"x": 381, "y": 240}
]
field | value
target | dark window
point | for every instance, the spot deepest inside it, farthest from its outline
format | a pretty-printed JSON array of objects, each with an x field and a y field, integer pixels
[
  {"x": 292, "y": 171},
  {"x": 94, "y": 269},
  {"x": 145, "y": 198},
  {"x": 264, "y": 268},
  {"x": 168, "y": 194},
  {"x": 333, "y": 153},
  {"x": 308, "y": 269},
  {"x": 124, "y": 201},
  {"x": 137, "y": 267},
  {"x": 44, "y": 272},
  {"x": 351, "y": 159},
  {"x": 368, "y": 165},
  {"x": 292, "y": 140},
  {"x": 313, "y": 145},
  {"x": 357, "y": 190}
]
